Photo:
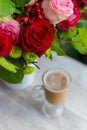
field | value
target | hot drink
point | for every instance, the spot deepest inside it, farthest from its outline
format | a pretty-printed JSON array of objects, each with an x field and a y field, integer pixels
[
  {"x": 55, "y": 86},
  {"x": 56, "y": 83}
]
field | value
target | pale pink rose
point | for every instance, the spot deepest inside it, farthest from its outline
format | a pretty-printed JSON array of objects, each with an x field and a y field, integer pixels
[
  {"x": 57, "y": 10},
  {"x": 12, "y": 28},
  {"x": 31, "y": 2}
]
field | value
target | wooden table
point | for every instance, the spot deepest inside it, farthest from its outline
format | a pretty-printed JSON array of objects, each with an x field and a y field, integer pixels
[{"x": 19, "y": 111}]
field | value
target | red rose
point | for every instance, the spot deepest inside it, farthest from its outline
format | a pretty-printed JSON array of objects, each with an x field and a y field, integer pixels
[
  {"x": 81, "y": 3},
  {"x": 37, "y": 37},
  {"x": 5, "y": 43},
  {"x": 64, "y": 25},
  {"x": 72, "y": 20},
  {"x": 31, "y": 14}
]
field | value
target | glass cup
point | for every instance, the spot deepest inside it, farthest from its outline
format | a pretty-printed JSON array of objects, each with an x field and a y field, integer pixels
[{"x": 53, "y": 91}]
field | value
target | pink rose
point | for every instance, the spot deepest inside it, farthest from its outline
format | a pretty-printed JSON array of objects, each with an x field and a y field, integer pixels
[
  {"x": 75, "y": 17},
  {"x": 57, "y": 10},
  {"x": 12, "y": 28},
  {"x": 72, "y": 20}
]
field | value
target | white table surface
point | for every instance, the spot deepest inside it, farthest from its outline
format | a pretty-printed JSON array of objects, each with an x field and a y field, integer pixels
[{"x": 19, "y": 111}]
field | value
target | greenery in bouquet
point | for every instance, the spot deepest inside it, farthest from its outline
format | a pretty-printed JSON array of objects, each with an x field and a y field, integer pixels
[{"x": 31, "y": 28}]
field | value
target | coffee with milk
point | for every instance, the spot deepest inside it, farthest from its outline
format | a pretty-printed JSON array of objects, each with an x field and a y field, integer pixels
[{"x": 56, "y": 87}]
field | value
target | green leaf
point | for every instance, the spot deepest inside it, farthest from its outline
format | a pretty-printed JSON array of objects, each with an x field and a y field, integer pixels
[
  {"x": 56, "y": 47},
  {"x": 79, "y": 48},
  {"x": 11, "y": 77},
  {"x": 28, "y": 70},
  {"x": 80, "y": 41},
  {"x": 7, "y": 7},
  {"x": 84, "y": 9},
  {"x": 48, "y": 54},
  {"x": 29, "y": 57},
  {"x": 16, "y": 52},
  {"x": 70, "y": 50},
  {"x": 82, "y": 23},
  {"x": 8, "y": 65},
  {"x": 20, "y": 3},
  {"x": 82, "y": 36},
  {"x": 18, "y": 11},
  {"x": 69, "y": 33},
  {"x": 18, "y": 62}
]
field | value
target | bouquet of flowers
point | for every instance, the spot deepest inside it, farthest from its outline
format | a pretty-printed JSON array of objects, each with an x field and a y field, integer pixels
[{"x": 31, "y": 28}]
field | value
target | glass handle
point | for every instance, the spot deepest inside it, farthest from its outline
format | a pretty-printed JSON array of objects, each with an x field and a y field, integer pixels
[{"x": 38, "y": 93}]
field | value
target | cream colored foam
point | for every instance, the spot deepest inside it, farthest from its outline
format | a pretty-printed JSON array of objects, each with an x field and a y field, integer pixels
[{"x": 57, "y": 80}]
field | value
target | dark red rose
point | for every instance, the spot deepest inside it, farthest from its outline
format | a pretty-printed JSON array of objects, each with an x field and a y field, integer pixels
[
  {"x": 31, "y": 13},
  {"x": 64, "y": 25},
  {"x": 5, "y": 43},
  {"x": 72, "y": 20},
  {"x": 37, "y": 37},
  {"x": 81, "y": 3}
]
